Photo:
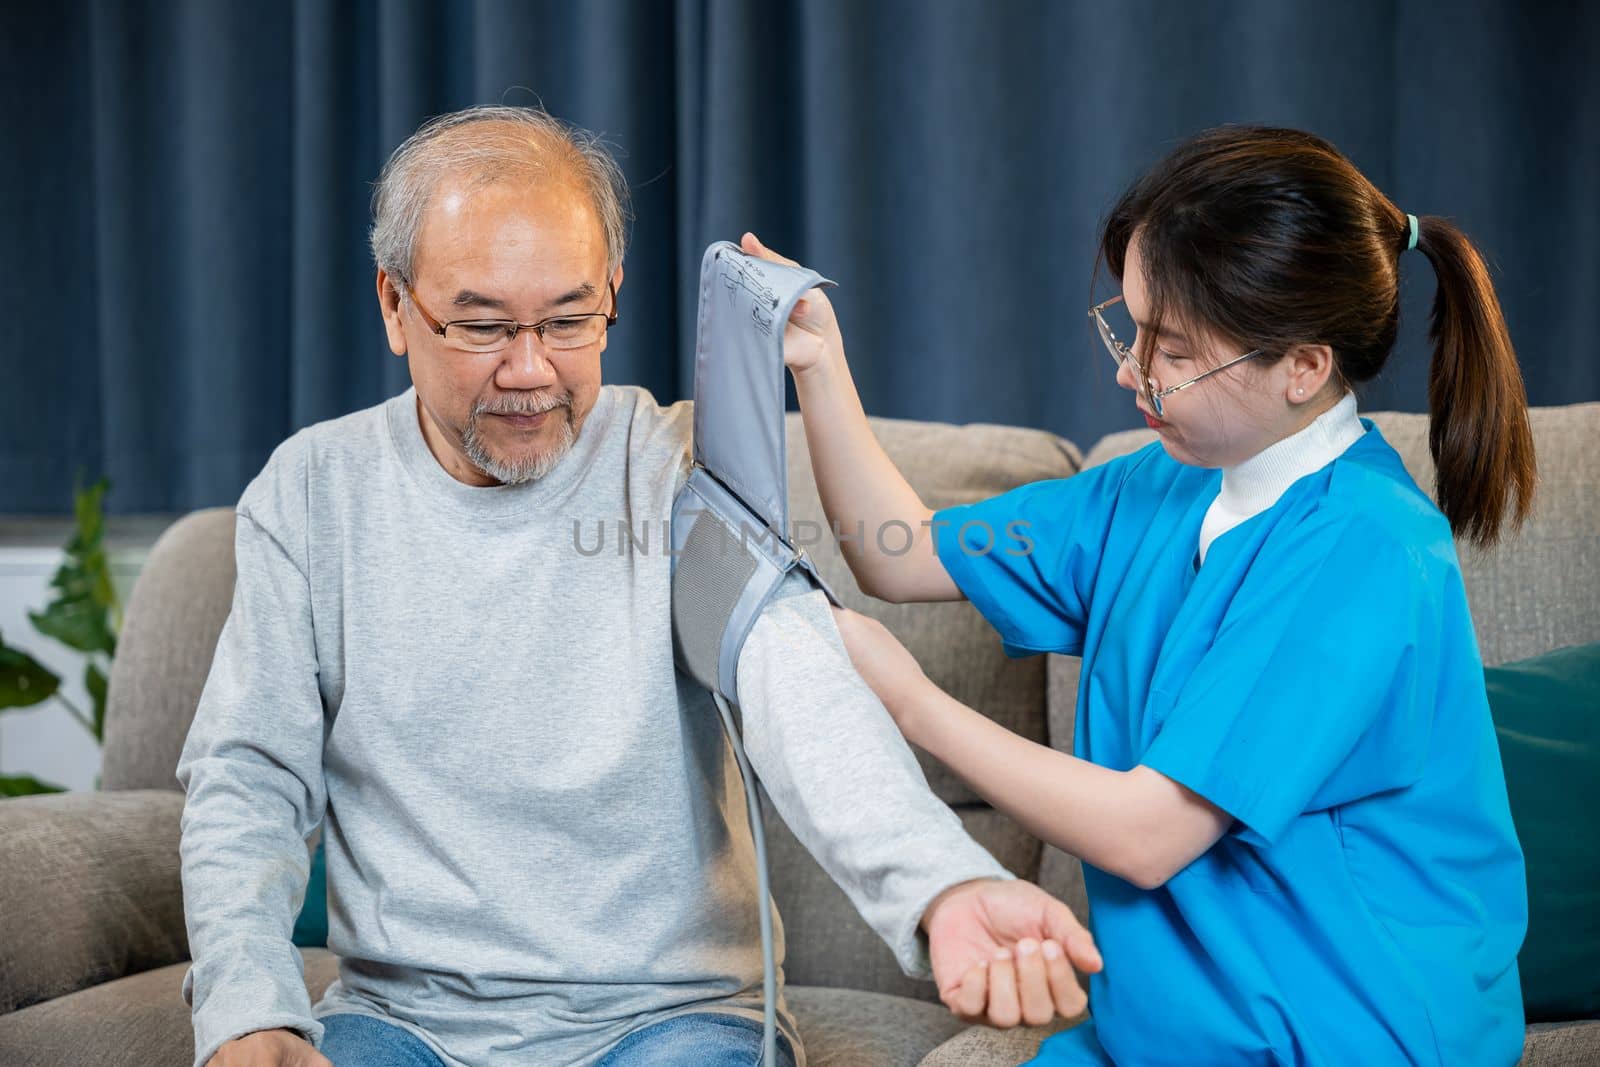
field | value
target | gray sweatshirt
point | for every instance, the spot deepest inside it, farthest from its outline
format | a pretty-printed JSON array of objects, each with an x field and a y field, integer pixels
[{"x": 536, "y": 832}]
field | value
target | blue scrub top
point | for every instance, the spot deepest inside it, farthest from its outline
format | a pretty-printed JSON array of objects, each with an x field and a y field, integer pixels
[{"x": 1319, "y": 680}]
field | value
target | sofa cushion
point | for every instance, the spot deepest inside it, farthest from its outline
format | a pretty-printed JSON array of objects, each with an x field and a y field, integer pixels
[
  {"x": 1574, "y": 1044},
  {"x": 849, "y": 1028},
  {"x": 960, "y": 652},
  {"x": 143, "y": 1020},
  {"x": 89, "y": 891},
  {"x": 1544, "y": 714},
  {"x": 1536, "y": 590},
  {"x": 984, "y": 1046}
]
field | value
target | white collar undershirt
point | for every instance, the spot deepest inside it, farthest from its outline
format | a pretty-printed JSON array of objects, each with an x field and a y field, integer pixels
[{"x": 1254, "y": 485}]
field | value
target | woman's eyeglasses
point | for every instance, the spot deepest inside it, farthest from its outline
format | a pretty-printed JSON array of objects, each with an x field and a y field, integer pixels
[{"x": 1121, "y": 354}]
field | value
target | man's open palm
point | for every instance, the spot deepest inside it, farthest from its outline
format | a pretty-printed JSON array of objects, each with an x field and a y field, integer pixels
[{"x": 1004, "y": 953}]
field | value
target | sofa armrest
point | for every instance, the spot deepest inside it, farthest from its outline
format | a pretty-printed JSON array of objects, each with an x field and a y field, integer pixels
[
  {"x": 984, "y": 1046},
  {"x": 91, "y": 890}
]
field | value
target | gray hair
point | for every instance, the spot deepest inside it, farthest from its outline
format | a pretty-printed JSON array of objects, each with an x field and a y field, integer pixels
[{"x": 519, "y": 141}]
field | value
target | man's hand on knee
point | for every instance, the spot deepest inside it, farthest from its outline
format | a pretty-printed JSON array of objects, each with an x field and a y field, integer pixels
[{"x": 269, "y": 1048}]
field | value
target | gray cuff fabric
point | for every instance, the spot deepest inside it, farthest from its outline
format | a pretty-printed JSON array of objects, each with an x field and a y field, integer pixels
[{"x": 248, "y": 985}]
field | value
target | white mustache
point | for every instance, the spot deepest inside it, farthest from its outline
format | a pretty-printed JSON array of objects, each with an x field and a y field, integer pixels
[{"x": 535, "y": 406}]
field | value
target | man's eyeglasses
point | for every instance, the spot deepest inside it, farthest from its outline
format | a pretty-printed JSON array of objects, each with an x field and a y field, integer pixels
[
  {"x": 1121, "y": 353},
  {"x": 560, "y": 332}
]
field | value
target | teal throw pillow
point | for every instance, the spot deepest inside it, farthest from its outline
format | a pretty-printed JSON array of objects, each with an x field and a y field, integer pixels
[{"x": 1547, "y": 716}]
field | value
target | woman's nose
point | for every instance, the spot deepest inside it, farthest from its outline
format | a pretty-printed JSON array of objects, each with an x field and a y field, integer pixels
[{"x": 1127, "y": 377}]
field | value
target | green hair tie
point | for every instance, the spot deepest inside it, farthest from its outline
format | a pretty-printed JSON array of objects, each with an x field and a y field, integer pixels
[{"x": 1412, "y": 243}]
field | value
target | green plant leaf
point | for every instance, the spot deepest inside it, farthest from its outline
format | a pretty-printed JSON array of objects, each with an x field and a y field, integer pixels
[
  {"x": 24, "y": 785},
  {"x": 94, "y": 680},
  {"x": 84, "y": 612},
  {"x": 86, "y": 506},
  {"x": 24, "y": 681},
  {"x": 77, "y": 622}
]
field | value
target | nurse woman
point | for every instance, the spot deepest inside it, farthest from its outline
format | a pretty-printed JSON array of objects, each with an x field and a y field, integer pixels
[{"x": 1284, "y": 786}]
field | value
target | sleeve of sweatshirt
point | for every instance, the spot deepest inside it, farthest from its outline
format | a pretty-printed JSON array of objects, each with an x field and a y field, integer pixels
[
  {"x": 843, "y": 777},
  {"x": 251, "y": 769}
]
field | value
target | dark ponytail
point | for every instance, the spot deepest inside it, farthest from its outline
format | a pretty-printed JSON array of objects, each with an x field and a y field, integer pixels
[
  {"x": 1272, "y": 238},
  {"x": 1478, "y": 430}
]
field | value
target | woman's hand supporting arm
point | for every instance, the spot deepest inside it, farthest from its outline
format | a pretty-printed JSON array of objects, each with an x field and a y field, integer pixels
[
  {"x": 862, "y": 491},
  {"x": 1138, "y": 824}
]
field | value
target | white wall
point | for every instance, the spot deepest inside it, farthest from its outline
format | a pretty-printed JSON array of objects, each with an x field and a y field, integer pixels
[{"x": 45, "y": 740}]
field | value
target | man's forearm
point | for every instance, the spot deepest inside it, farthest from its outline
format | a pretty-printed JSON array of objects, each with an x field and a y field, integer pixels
[
  {"x": 844, "y": 779},
  {"x": 243, "y": 879},
  {"x": 251, "y": 769}
]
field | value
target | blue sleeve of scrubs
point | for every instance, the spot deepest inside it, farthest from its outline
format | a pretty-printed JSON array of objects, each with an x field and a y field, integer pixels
[
  {"x": 1318, "y": 688},
  {"x": 1027, "y": 559}
]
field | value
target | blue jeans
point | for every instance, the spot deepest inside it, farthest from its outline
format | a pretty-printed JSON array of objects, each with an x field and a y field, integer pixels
[
  {"x": 353, "y": 1040},
  {"x": 705, "y": 1039}
]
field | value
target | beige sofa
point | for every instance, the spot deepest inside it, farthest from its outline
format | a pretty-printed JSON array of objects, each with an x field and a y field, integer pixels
[{"x": 92, "y": 938}]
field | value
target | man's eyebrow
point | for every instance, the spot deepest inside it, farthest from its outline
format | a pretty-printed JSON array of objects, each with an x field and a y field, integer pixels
[
  {"x": 468, "y": 298},
  {"x": 583, "y": 292}
]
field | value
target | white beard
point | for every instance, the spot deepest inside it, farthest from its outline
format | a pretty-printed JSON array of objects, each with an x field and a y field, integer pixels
[{"x": 527, "y": 469}]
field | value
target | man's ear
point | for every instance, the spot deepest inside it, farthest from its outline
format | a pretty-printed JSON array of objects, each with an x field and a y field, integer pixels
[
  {"x": 1310, "y": 367},
  {"x": 616, "y": 287},
  {"x": 389, "y": 305}
]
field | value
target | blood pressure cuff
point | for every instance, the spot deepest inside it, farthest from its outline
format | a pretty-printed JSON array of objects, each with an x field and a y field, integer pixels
[{"x": 731, "y": 540}]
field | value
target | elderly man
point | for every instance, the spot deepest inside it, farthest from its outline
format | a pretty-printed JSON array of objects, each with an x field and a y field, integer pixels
[{"x": 537, "y": 846}]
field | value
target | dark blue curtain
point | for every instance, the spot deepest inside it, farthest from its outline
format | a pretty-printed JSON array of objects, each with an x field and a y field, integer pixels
[{"x": 184, "y": 183}]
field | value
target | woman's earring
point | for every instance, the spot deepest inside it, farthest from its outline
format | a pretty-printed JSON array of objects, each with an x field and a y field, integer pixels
[{"x": 1299, "y": 392}]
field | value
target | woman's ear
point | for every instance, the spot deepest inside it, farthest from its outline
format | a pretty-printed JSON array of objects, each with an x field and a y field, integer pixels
[{"x": 1309, "y": 368}]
